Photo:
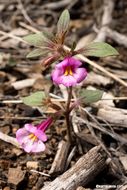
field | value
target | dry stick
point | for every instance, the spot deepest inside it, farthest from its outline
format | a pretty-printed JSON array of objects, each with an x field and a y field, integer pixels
[
  {"x": 100, "y": 68},
  {"x": 59, "y": 100},
  {"x": 57, "y": 5},
  {"x": 26, "y": 26},
  {"x": 12, "y": 36},
  {"x": 41, "y": 173},
  {"x": 84, "y": 171},
  {"x": 108, "y": 8},
  {"x": 117, "y": 37},
  {"x": 71, "y": 155},
  {"x": 21, "y": 118},
  {"x": 23, "y": 11},
  {"x": 9, "y": 139}
]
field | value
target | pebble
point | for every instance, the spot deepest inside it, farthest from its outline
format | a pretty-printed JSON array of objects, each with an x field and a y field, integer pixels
[
  {"x": 16, "y": 175},
  {"x": 32, "y": 164},
  {"x": 6, "y": 188}
]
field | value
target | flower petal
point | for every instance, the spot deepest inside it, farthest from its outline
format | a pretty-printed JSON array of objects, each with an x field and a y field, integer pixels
[
  {"x": 28, "y": 145},
  {"x": 38, "y": 146},
  {"x": 31, "y": 128},
  {"x": 68, "y": 61},
  {"x": 80, "y": 74},
  {"x": 56, "y": 74},
  {"x": 21, "y": 134},
  {"x": 68, "y": 80},
  {"x": 75, "y": 63},
  {"x": 62, "y": 64},
  {"x": 41, "y": 135}
]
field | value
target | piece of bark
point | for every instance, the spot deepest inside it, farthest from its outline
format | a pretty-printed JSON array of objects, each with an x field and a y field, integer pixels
[
  {"x": 87, "y": 138},
  {"x": 107, "y": 100},
  {"x": 18, "y": 85},
  {"x": 123, "y": 187},
  {"x": 114, "y": 115},
  {"x": 58, "y": 164},
  {"x": 94, "y": 78},
  {"x": 123, "y": 160},
  {"x": 84, "y": 171},
  {"x": 82, "y": 188}
]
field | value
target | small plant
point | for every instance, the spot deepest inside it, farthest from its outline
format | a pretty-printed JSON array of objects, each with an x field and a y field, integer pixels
[{"x": 68, "y": 71}]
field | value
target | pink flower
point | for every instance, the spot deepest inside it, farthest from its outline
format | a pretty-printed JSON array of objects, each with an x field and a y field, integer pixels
[
  {"x": 68, "y": 72},
  {"x": 31, "y": 137}
]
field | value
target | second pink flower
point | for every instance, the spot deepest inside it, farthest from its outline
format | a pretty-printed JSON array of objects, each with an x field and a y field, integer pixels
[{"x": 68, "y": 72}]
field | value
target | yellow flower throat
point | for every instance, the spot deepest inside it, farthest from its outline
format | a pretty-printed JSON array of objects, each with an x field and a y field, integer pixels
[
  {"x": 32, "y": 137},
  {"x": 68, "y": 71}
]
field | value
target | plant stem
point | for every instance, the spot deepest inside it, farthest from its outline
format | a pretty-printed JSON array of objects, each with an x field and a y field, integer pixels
[{"x": 67, "y": 115}]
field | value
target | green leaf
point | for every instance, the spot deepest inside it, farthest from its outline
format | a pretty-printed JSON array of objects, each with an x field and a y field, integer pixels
[
  {"x": 35, "y": 99},
  {"x": 90, "y": 96},
  {"x": 63, "y": 23},
  {"x": 99, "y": 49},
  {"x": 48, "y": 35},
  {"x": 35, "y": 39},
  {"x": 37, "y": 52}
]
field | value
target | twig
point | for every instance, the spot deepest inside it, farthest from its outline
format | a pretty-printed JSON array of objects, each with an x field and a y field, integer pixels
[
  {"x": 57, "y": 5},
  {"x": 11, "y": 101},
  {"x": 23, "y": 11},
  {"x": 21, "y": 118},
  {"x": 117, "y": 37},
  {"x": 41, "y": 173},
  {"x": 108, "y": 8},
  {"x": 72, "y": 153},
  {"x": 12, "y": 36},
  {"x": 58, "y": 99},
  {"x": 26, "y": 26},
  {"x": 9, "y": 139},
  {"x": 115, "y": 98}
]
